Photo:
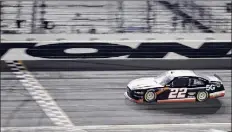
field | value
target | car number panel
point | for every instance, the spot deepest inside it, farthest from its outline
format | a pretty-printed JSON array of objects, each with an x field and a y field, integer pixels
[{"x": 179, "y": 93}]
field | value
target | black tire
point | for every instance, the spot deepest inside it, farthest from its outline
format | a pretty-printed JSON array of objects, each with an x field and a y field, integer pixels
[
  {"x": 202, "y": 96},
  {"x": 150, "y": 96}
]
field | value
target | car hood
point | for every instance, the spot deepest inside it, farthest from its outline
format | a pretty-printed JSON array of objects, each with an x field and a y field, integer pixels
[{"x": 143, "y": 83}]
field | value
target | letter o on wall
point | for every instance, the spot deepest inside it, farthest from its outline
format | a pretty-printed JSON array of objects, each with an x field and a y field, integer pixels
[{"x": 57, "y": 51}]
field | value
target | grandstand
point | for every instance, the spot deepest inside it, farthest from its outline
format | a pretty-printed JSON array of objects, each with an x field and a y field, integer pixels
[{"x": 107, "y": 17}]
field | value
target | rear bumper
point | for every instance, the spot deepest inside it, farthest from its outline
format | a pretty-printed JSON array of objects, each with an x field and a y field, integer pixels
[
  {"x": 217, "y": 94},
  {"x": 133, "y": 100}
]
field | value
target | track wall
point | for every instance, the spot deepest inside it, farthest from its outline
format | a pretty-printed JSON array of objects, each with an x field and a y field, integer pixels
[{"x": 117, "y": 52}]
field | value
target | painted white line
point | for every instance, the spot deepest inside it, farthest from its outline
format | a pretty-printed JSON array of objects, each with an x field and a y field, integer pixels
[
  {"x": 116, "y": 127},
  {"x": 152, "y": 126},
  {"x": 42, "y": 97},
  {"x": 214, "y": 130}
]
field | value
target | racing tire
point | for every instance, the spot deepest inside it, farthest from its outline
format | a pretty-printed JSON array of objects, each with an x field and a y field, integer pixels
[
  {"x": 202, "y": 96},
  {"x": 150, "y": 95}
]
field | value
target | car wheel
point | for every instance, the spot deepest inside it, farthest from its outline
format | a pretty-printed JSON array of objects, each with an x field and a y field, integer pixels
[
  {"x": 150, "y": 96},
  {"x": 202, "y": 96}
]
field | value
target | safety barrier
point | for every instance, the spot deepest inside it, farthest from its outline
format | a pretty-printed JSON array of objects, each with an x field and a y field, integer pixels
[{"x": 113, "y": 53}]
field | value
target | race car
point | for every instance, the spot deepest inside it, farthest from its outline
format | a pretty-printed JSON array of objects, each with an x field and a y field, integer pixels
[{"x": 175, "y": 86}]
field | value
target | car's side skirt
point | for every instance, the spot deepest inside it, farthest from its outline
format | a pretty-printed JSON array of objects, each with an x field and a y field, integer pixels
[
  {"x": 212, "y": 95},
  {"x": 177, "y": 100}
]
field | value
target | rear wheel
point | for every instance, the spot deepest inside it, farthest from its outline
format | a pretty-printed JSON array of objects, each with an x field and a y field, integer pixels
[
  {"x": 202, "y": 96},
  {"x": 150, "y": 95}
]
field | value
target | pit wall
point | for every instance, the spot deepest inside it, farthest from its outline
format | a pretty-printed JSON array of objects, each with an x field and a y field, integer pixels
[{"x": 118, "y": 52}]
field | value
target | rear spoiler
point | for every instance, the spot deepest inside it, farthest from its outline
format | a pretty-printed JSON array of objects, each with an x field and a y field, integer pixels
[{"x": 217, "y": 77}]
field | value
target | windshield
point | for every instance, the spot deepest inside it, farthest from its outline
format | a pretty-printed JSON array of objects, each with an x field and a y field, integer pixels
[{"x": 163, "y": 79}]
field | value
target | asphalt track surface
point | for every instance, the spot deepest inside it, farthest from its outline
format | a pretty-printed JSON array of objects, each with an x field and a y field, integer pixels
[{"x": 93, "y": 98}]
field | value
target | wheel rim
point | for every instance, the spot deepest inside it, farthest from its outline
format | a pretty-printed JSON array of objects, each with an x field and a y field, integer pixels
[
  {"x": 150, "y": 96},
  {"x": 202, "y": 96}
]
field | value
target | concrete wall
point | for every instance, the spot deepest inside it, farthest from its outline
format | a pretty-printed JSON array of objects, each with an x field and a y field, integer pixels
[{"x": 195, "y": 51}]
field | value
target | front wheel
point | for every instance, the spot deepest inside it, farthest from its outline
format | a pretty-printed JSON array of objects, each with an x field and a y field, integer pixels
[
  {"x": 150, "y": 96},
  {"x": 202, "y": 96}
]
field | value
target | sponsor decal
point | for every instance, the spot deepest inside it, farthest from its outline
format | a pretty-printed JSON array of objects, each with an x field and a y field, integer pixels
[
  {"x": 113, "y": 50},
  {"x": 210, "y": 87},
  {"x": 191, "y": 93},
  {"x": 191, "y": 96}
]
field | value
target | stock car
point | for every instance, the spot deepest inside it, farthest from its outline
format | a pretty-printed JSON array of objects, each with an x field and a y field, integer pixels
[{"x": 175, "y": 86}]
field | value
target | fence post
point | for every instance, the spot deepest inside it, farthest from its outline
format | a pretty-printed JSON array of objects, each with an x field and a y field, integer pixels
[
  {"x": 42, "y": 14},
  {"x": 149, "y": 10},
  {"x": 34, "y": 10},
  {"x": 121, "y": 17},
  {"x": 19, "y": 11},
  {"x": 193, "y": 16},
  {"x": 1, "y": 10}
]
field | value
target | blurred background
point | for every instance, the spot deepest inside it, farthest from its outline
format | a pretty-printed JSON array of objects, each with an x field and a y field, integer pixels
[{"x": 114, "y": 16}]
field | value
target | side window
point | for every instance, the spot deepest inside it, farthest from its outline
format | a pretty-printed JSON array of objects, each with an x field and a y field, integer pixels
[
  {"x": 197, "y": 82},
  {"x": 180, "y": 82}
]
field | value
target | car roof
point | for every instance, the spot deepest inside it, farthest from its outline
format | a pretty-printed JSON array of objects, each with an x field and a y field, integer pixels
[{"x": 179, "y": 73}]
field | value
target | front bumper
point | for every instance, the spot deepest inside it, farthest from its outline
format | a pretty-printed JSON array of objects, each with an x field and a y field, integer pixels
[{"x": 133, "y": 100}]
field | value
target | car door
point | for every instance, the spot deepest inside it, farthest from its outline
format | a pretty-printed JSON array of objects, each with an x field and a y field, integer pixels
[{"x": 178, "y": 88}]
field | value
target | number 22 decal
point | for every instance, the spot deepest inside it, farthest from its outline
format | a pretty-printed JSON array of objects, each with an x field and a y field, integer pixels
[{"x": 177, "y": 93}]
